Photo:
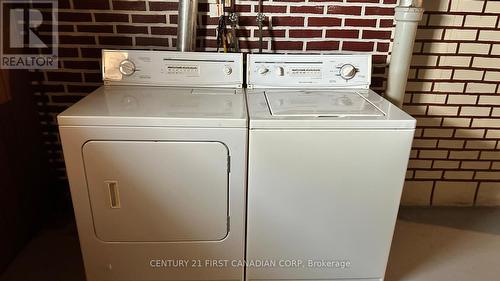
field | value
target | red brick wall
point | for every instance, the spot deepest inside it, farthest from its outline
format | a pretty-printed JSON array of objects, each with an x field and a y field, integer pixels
[{"x": 299, "y": 26}]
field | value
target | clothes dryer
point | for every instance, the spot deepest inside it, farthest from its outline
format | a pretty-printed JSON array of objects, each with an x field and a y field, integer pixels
[{"x": 156, "y": 160}]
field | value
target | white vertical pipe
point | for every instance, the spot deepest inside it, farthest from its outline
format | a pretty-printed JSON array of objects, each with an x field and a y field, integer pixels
[{"x": 407, "y": 16}]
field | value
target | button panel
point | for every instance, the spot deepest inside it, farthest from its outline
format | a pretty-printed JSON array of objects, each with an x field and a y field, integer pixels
[{"x": 182, "y": 69}]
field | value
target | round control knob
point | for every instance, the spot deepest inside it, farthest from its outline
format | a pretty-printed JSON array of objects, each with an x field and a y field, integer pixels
[
  {"x": 127, "y": 67},
  {"x": 263, "y": 70},
  {"x": 280, "y": 71},
  {"x": 227, "y": 70},
  {"x": 348, "y": 71}
]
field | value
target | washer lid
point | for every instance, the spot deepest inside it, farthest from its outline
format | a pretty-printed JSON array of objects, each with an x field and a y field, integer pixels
[
  {"x": 320, "y": 103},
  {"x": 366, "y": 110}
]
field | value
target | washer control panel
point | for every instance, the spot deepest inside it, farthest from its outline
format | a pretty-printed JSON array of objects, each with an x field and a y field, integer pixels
[
  {"x": 167, "y": 68},
  {"x": 309, "y": 71}
]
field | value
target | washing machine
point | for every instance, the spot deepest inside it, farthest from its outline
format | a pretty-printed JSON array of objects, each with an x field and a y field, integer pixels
[
  {"x": 327, "y": 162},
  {"x": 156, "y": 161}
]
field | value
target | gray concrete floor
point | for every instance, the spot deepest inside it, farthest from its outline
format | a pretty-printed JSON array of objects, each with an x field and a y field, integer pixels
[{"x": 455, "y": 244}]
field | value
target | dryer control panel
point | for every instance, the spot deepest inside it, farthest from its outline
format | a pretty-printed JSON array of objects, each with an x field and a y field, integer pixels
[
  {"x": 309, "y": 71},
  {"x": 169, "y": 68}
]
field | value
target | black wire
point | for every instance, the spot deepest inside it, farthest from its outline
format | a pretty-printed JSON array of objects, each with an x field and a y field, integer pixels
[
  {"x": 221, "y": 25},
  {"x": 221, "y": 29}
]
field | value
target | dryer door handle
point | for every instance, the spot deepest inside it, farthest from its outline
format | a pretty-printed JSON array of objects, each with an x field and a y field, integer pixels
[{"x": 114, "y": 194}]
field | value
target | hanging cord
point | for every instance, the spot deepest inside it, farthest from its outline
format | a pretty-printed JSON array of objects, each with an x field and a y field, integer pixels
[
  {"x": 221, "y": 29},
  {"x": 220, "y": 26},
  {"x": 221, "y": 33},
  {"x": 260, "y": 22}
]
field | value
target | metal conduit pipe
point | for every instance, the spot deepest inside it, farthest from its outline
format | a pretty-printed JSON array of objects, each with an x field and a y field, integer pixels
[
  {"x": 407, "y": 16},
  {"x": 186, "y": 29}
]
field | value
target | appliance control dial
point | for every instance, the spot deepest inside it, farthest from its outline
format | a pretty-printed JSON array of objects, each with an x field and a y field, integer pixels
[
  {"x": 348, "y": 71},
  {"x": 227, "y": 70},
  {"x": 279, "y": 70},
  {"x": 262, "y": 70},
  {"x": 127, "y": 67}
]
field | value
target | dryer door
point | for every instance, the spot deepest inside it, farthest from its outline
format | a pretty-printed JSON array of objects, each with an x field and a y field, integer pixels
[{"x": 157, "y": 191}]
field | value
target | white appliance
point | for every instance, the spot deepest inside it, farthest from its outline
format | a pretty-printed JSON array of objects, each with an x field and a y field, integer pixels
[
  {"x": 156, "y": 160},
  {"x": 327, "y": 161}
]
